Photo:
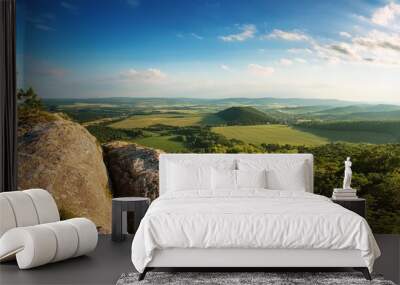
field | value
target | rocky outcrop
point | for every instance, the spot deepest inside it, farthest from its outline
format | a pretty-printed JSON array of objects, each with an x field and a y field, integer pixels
[
  {"x": 133, "y": 169},
  {"x": 64, "y": 158}
]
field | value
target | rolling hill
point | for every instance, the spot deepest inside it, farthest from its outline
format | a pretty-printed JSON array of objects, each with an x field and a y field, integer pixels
[
  {"x": 372, "y": 116},
  {"x": 355, "y": 131},
  {"x": 244, "y": 116},
  {"x": 360, "y": 112}
]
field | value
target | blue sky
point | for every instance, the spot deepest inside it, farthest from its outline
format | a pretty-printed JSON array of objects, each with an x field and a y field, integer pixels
[{"x": 210, "y": 49}]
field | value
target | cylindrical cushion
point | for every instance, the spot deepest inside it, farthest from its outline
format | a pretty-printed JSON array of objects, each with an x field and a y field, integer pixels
[
  {"x": 67, "y": 240},
  {"x": 23, "y": 208},
  {"x": 7, "y": 218},
  {"x": 87, "y": 234},
  {"x": 26, "y": 208},
  {"x": 33, "y": 246},
  {"x": 46, "y": 207}
]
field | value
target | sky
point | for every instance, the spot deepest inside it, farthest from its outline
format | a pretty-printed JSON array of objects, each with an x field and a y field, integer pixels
[{"x": 347, "y": 50}]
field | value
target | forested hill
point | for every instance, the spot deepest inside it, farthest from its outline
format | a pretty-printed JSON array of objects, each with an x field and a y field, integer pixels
[
  {"x": 245, "y": 116},
  {"x": 391, "y": 128}
]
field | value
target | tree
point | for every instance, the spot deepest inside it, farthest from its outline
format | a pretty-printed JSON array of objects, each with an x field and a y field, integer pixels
[
  {"x": 30, "y": 110},
  {"x": 29, "y": 102}
]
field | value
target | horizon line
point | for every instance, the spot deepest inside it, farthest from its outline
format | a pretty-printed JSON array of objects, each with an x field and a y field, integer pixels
[{"x": 226, "y": 98}]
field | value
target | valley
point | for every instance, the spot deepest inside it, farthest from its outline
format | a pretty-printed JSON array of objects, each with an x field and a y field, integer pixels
[{"x": 187, "y": 125}]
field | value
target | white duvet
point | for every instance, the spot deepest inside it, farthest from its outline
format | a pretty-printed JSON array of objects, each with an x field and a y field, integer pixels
[{"x": 250, "y": 219}]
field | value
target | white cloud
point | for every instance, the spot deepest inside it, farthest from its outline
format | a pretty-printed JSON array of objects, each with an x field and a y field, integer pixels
[
  {"x": 150, "y": 74},
  {"x": 386, "y": 15},
  {"x": 335, "y": 53},
  {"x": 300, "y": 60},
  {"x": 196, "y": 36},
  {"x": 345, "y": 34},
  {"x": 300, "y": 50},
  {"x": 225, "y": 67},
  {"x": 375, "y": 47},
  {"x": 247, "y": 32},
  {"x": 286, "y": 35},
  {"x": 345, "y": 49},
  {"x": 361, "y": 18},
  {"x": 379, "y": 47},
  {"x": 376, "y": 39},
  {"x": 260, "y": 70},
  {"x": 285, "y": 62}
]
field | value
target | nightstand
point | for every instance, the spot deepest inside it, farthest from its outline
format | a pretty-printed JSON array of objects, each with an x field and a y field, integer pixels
[
  {"x": 357, "y": 205},
  {"x": 120, "y": 206}
]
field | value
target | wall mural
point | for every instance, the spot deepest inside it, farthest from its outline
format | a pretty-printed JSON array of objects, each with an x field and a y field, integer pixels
[{"x": 105, "y": 86}]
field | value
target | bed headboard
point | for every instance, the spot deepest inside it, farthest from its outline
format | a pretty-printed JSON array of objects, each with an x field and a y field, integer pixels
[{"x": 212, "y": 159}]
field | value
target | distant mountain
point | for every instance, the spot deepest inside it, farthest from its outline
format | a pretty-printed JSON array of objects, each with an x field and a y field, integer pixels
[
  {"x": 360, "y": 112},
  {"x": 300, "y": 110},
  {"x": 373, "y": 116},
  {"x": 288, "y": 102},
  {"x": 154, "y": 101},
  {"x": 362, "y": 108},
  {"x": 244, "y": 116},
  {"x": 282, "y": 109}
]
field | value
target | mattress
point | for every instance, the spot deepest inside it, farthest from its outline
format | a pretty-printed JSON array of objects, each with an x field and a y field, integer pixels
[{"x": 250, "y": 219}]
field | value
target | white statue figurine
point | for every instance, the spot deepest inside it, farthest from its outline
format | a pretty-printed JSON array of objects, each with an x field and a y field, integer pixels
[{"x": 347, "y": 174}]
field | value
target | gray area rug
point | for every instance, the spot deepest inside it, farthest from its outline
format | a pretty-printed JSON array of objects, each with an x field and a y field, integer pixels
[{"x": 233, "y": 278}]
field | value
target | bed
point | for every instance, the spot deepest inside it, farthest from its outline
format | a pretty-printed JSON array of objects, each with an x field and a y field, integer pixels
[{"x": 247, "y": 210}]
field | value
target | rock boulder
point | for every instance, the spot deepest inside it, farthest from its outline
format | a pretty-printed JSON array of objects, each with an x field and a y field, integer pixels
[
  {"x": 64, "y": 158},
  {"x": 133, "y": 169}
]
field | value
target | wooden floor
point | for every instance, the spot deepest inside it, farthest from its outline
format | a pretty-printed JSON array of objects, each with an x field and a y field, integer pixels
[{"x": 111, "y": 259}]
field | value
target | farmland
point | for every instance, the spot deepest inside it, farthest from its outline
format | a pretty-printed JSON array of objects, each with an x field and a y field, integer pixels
[
  {"x": 144, "y": 121},
  {"x": 166, "y": 143},
  {"x": 269, "y": 134}
]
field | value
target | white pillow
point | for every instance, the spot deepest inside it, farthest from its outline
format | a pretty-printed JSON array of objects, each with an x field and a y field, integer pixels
[
  {"x": 186, "y": 178},
  {"x": 282, "y": 174},
  {"x": 293, "y": 180},
  {"x": 224, "y": 179},
  {"x": 251, "y": 179}
]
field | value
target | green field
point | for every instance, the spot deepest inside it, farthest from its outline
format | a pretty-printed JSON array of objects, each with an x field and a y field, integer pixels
[
  {"x": 270, "y": 134},
  {"x": 86, "y": 106},
  {"x": 164, "y": 143},
  {"x": 353, "y": 136},
  {"x": 144, "y": 121}
]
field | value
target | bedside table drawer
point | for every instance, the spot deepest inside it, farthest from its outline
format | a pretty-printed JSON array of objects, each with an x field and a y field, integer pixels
[{"x": 358, "y": 205}]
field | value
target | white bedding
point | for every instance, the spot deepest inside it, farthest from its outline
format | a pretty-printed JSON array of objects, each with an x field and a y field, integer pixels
[{"x": 250, "y": 218}]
